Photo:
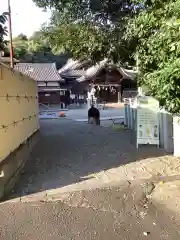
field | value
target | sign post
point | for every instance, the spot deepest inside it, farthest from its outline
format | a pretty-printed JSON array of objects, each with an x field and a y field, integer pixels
[{"x": 147, "y": 121}]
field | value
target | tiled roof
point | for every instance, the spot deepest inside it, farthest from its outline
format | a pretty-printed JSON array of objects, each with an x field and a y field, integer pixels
[
  {"x": 72, "y": 73},
  {"x": 74, "y": 64},
  {"x": 39, "y": 71},
  {"x": 94, "y": 70}
]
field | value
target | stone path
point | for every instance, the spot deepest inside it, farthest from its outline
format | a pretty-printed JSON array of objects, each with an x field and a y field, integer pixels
[
  {"x": 75, "y": 156},
  {"x": 117, "y": 213},
  {"x": 90, "y": 182}
]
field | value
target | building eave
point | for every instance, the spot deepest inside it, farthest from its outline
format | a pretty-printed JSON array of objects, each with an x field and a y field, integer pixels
[{"x": 94, "y": 71}]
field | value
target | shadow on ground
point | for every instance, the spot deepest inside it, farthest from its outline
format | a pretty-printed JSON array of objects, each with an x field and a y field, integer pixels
[{"x": 70, "y": 152}]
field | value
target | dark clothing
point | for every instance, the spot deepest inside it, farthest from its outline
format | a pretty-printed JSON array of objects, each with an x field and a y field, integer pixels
[{"x": 94, "y": 114}]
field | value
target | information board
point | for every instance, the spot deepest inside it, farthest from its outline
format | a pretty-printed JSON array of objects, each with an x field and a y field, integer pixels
[{"x": 147, "y": 121}]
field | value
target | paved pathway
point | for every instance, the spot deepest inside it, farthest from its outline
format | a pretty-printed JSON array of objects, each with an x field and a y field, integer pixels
[
  {"x": 102, "y": 214},
  {"x": 81, "y": 113},
  {"x": 89, "y": 182},
  {"x": 76, "y": 156}
]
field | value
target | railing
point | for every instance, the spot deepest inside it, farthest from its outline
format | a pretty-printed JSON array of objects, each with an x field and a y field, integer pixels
[
  {"x": 130, "y": 109},
  {"x": 19, "y": 116}
]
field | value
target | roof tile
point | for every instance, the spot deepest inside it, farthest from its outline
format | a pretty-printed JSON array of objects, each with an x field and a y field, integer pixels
[
  {"x": 72, "y": 73},
  {"x": 39, "y": 71}
]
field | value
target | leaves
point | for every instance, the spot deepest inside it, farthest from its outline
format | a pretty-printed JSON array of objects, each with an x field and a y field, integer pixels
[
  {"x": 157, "y": 29},
  {"x": 3, "y": 30},
  {"x": 90, "y": 29},
  {"x": 34, "y": 49}
]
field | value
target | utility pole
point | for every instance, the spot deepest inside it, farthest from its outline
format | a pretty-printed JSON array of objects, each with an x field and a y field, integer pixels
[{"x": 10, "y": 34}]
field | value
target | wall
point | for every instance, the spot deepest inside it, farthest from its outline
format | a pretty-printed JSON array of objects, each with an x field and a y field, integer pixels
[{"x": 18, "y": 110}]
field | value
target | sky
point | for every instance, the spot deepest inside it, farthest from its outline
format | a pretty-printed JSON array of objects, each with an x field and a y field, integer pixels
[{"x": 26, "y": 17}]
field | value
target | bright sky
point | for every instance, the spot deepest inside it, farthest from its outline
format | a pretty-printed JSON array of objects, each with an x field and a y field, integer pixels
[{"x": 26, "y": 17}]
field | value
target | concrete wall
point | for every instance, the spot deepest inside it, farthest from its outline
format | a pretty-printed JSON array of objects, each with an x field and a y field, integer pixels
[{"x": 19, "y": 121}]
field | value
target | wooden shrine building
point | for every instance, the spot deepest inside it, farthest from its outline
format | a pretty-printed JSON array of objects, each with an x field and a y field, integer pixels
[{"x": 109, "y": 82}]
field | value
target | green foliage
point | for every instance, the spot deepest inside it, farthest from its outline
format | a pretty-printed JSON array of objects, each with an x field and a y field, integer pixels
[
  {"x": 3, "y": 30},
  {"x": 35, "y": 49},
  {"x": 20, "y": 45},
  {"x": 28, "y": 49},
  {"x": 165, "y": 86},
  {"x": 157, "y": 29},
  {"x": 90, "y": 29},
  {"x": 21, "y": 37},
  {"x": 84, "y": 41},
  {"x": 102, "y": 10}
]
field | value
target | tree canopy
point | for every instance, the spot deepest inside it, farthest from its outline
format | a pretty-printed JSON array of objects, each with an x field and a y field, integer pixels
[
  {"x": 90, "y": 29},
  {"x": 35, "y": 49},
  {"x": 97, "y": 10},
  {"x": 157, "y": 29},
  {"x": 84, "y": 41},
  {"x": 28, "y": 49}
]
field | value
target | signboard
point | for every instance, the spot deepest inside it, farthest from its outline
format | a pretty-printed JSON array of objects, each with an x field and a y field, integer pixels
[{"x": 147, "y": 121}]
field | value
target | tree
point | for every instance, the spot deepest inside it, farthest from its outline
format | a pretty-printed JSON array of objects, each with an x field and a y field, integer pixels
[
  {"x": 157, "y": 29},
  {"x": 90, "y": 29},
  {"x": 84, "y": 41},
  {"x": 20, "y": 45},
  {"x": 97, "y": 10},
  {"x": 34, "y": 49},
  {"x": 22, "y": 37},
  {"x": 3, "y": 30}
]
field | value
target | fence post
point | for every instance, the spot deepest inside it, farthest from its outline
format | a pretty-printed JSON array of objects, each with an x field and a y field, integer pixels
[
  {"x": 161, "y": 128},
  {"x": 131, "y": 113},
  {"x": 168, "y": 132},
  {"x": 134, "y": 110},
  {"x": 128, "y": 114},
  {"x": 125, "y": 112}
]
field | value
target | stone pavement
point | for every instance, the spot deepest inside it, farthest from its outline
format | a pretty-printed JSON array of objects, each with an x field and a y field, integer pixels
[
  {"x": 76, "y": 156},
  {"x": 90, "y": 182},
  {"x": 117, "y": 213}
]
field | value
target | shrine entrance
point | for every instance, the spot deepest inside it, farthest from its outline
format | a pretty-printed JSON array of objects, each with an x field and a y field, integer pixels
[{"x": 109, "y": 93}]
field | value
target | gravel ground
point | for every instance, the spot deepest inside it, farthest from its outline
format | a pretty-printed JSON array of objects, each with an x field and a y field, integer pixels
[
  {"x": 89, "y": 182},
  {"x": 79, "y": 155}
]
